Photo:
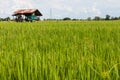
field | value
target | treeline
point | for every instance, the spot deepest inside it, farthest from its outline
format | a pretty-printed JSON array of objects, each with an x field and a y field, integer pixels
[
  {"x": 5, "y": 19},
  {"x": 97, "y": 18},
  {"x": 107, "y": 17}
]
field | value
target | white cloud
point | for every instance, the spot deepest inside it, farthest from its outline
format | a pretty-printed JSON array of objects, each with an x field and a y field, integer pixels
[
  {"x": 85, "y": 10},
  {"x": 1, "y": 12},
  {"x": 21, "y": 4},
  {"x": 95, "y": 10},
  {"x": 7, "y": 6},
  {"x": 91, "y": 10},
  {"x": 77, "y": 8},
  {"x": 60, "y": 5}
]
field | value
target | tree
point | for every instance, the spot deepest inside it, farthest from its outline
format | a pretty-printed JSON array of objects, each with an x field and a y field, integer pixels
[
  {"x": 66, "y": 18},
  {"x": 97, "y": 18},
  {"x": 107, "y": 17},
  {"x": 0, "y": 19},
  {"x": 89, "y": 19},
  {"x": 7, "y": 18},
  {"x": 75, "y": 19}
]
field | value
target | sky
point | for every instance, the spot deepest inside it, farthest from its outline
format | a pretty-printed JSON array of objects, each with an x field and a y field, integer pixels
[{"x": 59, "y": 9}]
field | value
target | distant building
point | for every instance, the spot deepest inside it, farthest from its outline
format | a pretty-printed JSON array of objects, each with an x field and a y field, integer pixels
[{"x": 27, "y": 15}]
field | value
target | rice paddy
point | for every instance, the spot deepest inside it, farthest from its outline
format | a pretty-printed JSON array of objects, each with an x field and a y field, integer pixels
[{"x": 60, "y": 50}]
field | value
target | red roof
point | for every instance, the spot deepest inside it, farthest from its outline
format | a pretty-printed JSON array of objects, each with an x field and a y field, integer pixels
[{"x": 27, "y": 11}]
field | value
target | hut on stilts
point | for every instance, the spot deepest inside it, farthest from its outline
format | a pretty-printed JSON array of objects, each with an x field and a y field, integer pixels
[{"x": 26, "y": 15}]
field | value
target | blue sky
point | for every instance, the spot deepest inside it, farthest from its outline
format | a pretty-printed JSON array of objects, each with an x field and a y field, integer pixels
[{"x": 63, "y": 8}]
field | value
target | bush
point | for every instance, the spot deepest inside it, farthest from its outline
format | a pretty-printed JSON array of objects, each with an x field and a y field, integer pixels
[{"x": 66, "y": 18}]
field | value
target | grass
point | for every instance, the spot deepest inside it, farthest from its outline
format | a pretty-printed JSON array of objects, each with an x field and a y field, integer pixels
[{"x": 65, "y": 50}]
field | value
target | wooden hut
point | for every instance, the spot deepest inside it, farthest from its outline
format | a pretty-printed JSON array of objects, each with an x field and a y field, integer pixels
[{"x": 29, "y": 15}]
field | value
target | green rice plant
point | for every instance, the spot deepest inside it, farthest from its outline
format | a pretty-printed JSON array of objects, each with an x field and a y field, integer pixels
[{"x": 60, "y": 50}]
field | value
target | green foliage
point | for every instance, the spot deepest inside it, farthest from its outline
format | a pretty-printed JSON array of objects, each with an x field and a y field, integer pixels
[
  {"x": 97, "y": 18},
  {"x": 67, "y": 50},
  {"x": 107, "y": 17},
  {"x": 66, "y": 18}
]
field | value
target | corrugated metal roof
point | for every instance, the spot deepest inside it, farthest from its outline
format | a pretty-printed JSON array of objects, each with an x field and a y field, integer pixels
[{"x": 25, "y": 11}]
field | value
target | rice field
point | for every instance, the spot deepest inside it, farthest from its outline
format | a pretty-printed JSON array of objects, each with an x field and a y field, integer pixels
[{"x": 60, "y": 50}]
